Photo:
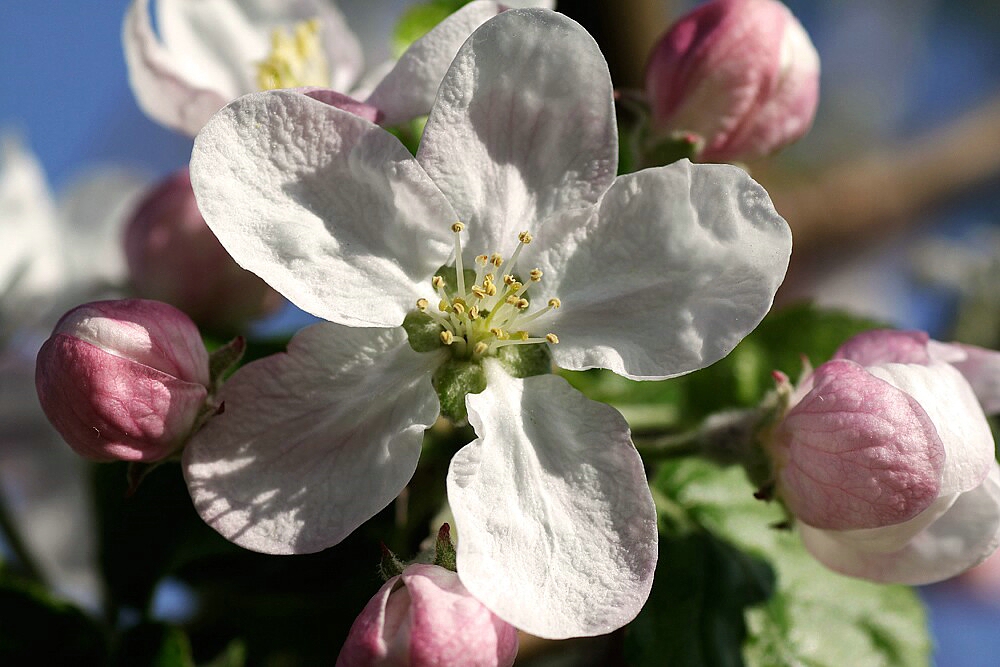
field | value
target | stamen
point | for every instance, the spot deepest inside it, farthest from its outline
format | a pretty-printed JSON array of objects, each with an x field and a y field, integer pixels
[
  {"x": 296, "y": 59},
  {"x": 478, "y": 292},
  {"x": 480, "y": 349},
  {"x": 552, "y": 338},
  {"x": 422, "y": 304},
  {"x": 474, "y": 313},
  {"x": 458, "y": 228},
  {"x": 437, "y": 282},
  {"x": 535, "y": 275},
  {"x": 447, "y": 337},
  {"x": 443, "y": 305},
  {"x": 524, "y": 237},
  {"x": 496, "y": 259},
  {"x": 508, "y": 280},
  {"x": 554, "y": 302}
]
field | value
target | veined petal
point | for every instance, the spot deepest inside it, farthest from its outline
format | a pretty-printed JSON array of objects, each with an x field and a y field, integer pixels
[
  {"x": 328, "y": 209},
  {"x": 164, "y": 91},
  {"x": 953, "y": 408},
  {"x": 409, "y": 88},
  {"x": 314, "y": 442},
  {"x": 556, "y": 525},
  {"x": 856, "y": 452},
  {"x": 666, "y": 275},
  {"x": 965, "y": 535},
  {"x": 523, "y": 125}
]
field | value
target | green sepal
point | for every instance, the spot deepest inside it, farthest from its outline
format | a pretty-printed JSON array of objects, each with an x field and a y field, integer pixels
[
  {"x": 455, "y": 379},
  {"x": 523, "y": 361},
  {"x": 423, "y": 333},
  {"x": 444, "y": 550},
  {"x": 450, "y": 276},
  {"x": 390, "y": 566},
  {"x": 223, "y": 360}
]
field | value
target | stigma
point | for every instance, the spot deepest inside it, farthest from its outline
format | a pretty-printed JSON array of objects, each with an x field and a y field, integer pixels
[
  {"x": 485, "y": 309},
  {"x": 296, "y": 60}
]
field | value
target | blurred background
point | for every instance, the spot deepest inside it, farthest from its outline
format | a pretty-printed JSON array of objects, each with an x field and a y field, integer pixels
[{"x": 893, "y": 196}]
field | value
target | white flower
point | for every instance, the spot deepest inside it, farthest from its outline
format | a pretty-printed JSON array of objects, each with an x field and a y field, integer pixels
[
  {"x": 656, "y": 274},
  {"x": 210, "y": 52}
]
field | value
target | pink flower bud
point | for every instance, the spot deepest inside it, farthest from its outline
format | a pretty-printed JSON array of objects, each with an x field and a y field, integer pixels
[
  {"x": 174, "y": 257},
  {"x": 123, "y": 380},
  {"x": 426, "y": 617},
  {"x": 741, "y": 74},
  {"x": 886, "y": 458}
]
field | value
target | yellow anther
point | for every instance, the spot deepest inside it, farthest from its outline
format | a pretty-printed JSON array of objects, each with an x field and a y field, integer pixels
[
  {"x": 474, "y": 313},
  {"x": 521, "y": 304},
  {"x": 482, "y": 260},
  {"x": 496, "y": 259},
  {"x": 515, "y": 286},
  {"x": 422, "y": 304},
  {"x": 536, "y": 275},
  {"x": 554, "y": 302},
  {"x": 458, "y": 307},
  {"x": 437, "y": 282},
  {"x": 447, "y": 337},
  {"x": 491, "y": 289},
  {"x": 478, "y": 292},
  {"x": 458, "y": 227},
  {"x": 524, "y": 237},
  {"x": 498, "y": 333},
  {"x": 521, "y": 335},
  {"x": 443, "y": 305},
  {"x": 508, "y": 279},
  {"x": 552, "y": 338},
  {"x": 480, "y": 348},
  {"x": 296, "y": 59},
  {"x": 512, "y": 300}
]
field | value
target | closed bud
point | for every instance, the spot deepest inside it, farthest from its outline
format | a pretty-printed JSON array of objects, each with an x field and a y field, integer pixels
[
  {"x": 124, "y": 380},
  {"x": 886, "y": 459},
  {"x": 741, "y": 75},
  {"x": 174, "y": 257},
  {"x": 426, "y": 617}
]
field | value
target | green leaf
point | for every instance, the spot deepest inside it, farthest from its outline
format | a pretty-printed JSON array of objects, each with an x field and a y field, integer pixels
[
  {"x": 815, "y": 617},
  {"x": 701, "y": 588},
  {"x": 38, "y": 629},
  {"x": 153, "y": 645},
  {"x": 419, "y": 19}
]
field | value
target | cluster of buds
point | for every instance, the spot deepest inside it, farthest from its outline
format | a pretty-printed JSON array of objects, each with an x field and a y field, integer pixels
[
  {"x": 886, "y": 460},
  {"x": 735, "y": 80}
]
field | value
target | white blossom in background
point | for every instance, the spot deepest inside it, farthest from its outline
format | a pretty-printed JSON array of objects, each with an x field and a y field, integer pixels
[
  {"x": 209, "y": 52},
  {"x": 650, "y": 275},
  {"x": 52, "y": 256}
]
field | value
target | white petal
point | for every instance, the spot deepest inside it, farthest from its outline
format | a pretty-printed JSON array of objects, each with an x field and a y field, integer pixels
[
  {"x": 523, "y": 126},
  {"x": 948, "y": 400},
  {"x": 164, "y": 90},
  {"x": 556, "y": 525},
  {"x": 314, "y": 442},
  {"x": 960, "y": 539},
  {"x": 672, "y": 269},
  {"x": 408, "y": 90},
  {"x": 328, "y": 209}
]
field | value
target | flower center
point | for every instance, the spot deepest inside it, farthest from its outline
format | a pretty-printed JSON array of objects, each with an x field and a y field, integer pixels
[
  {"x": 296, "y": 59},
  {"x": 481, "y": 312},
  {"x": 484, "y": 310}
]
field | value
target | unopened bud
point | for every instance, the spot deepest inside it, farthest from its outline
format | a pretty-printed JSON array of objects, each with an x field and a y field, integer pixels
[
  {"x": 174, "y": 257},
  {"x": 124, "y": 380},
  {"x": 742, "y": 75},
  {"x": 426, "y": 617}
]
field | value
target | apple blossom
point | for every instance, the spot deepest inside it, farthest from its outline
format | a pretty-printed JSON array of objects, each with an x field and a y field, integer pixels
[
  {"x": 887, "y": 461},
  {"x": 124, "y": 380},
  {"x": 426, "y": 617},
  {"x": 740, "y": 75},
  {"x": 210, "y": 52},
  {"x": 174, "y": 257},
  {"x": 650, "y": 275}
]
